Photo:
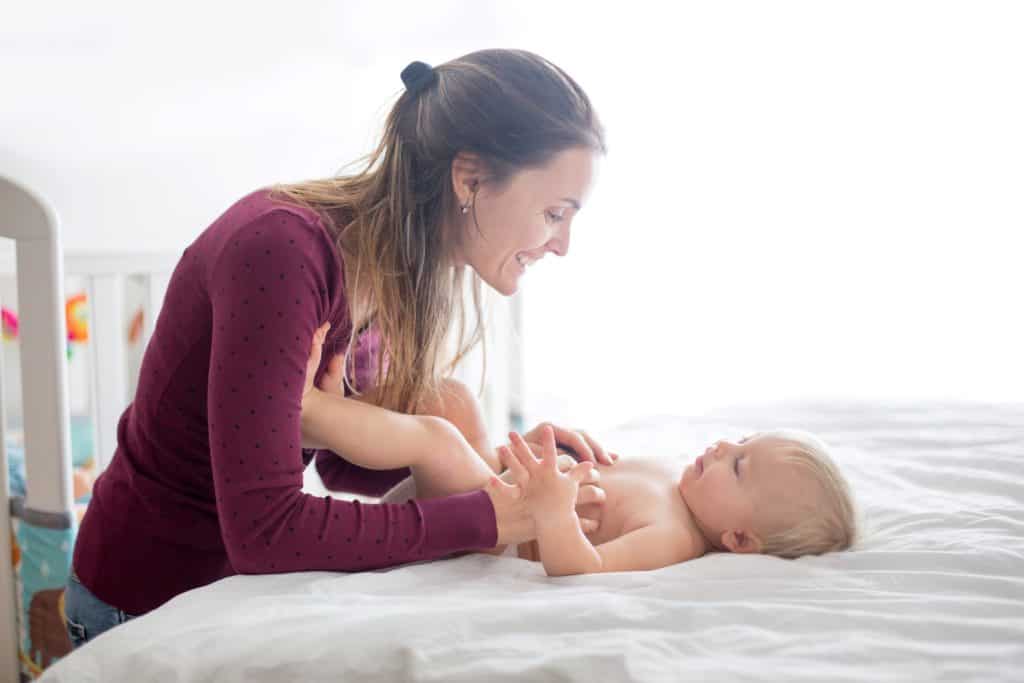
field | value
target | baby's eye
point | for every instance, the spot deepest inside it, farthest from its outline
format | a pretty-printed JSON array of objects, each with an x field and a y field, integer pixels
[
  {"x": 736, "y": 465},
  {"x": 555, "y": 218}
]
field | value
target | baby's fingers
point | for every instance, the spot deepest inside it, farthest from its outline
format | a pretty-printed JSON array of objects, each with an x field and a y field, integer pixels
[
  {"x": 522, "y": 452},
  {"x": 590, "y": 494},
  {"x": 510, "y": 461},
  {"x": 549, "y": 450}
]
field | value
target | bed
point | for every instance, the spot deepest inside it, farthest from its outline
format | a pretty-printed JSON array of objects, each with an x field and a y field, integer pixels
[{"x": 934, "y": 591}]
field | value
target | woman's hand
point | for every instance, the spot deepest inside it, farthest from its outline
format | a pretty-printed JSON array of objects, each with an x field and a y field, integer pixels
[
  {"x": 313, "y": 364},
  {"x": 309, "y": 392},
  {"x": 582, "y": 445},
  {"x": 547, "y": 492},
  {"x": 512, "y": 516}
]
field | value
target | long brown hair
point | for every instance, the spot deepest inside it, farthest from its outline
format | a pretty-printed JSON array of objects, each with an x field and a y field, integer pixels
[{"x": 393, "y": 221}]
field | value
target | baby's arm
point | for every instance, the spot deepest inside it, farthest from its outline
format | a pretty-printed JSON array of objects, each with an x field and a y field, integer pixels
[
  {"x": 564, "y": 550},
  {"x": 562, "y": 545}
]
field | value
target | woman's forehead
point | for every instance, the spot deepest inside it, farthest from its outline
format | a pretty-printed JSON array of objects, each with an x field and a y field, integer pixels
[{"x": 566, "y": 178}]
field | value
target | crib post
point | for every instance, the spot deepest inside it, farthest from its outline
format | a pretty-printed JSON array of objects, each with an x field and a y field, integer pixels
[
  {"x": 44, "y": 386},
  {"x": 107, "y": 352}
]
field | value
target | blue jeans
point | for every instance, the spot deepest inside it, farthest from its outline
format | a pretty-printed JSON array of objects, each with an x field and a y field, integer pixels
[{"x": 87, "y": 615}]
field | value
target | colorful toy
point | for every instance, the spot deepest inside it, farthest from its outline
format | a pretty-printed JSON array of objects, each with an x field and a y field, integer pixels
[
  {"x": 77, "y": 318},
  {"x": 10, "y": 324},
  {"x": 76, "y": 315},
  {"x": 135, "y": 327}
]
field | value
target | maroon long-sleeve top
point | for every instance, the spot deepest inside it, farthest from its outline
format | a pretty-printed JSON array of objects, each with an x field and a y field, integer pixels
[{"x": 207, "y": 476}]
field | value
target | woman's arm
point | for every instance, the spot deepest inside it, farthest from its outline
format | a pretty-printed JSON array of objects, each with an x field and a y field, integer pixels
[{"x": 267, "y": 523}]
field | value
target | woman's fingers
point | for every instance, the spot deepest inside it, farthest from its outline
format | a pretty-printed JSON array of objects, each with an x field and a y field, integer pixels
[
  {"x": 315, "y": 352},
  {"x": 331, "y": 382},
  {"x": 600, "y": 454},
  {"x": 574, "y": 441},
  {"x": 581, "y": 471}
]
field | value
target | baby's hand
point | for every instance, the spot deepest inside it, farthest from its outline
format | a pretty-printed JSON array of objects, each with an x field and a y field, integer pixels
[{"x": 546, "y": 491}]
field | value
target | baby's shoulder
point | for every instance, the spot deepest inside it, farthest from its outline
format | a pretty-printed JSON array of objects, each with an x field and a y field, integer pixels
[{"x": 683, "y": 535}]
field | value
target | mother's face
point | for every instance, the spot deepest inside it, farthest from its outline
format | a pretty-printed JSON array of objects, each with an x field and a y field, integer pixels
[{"x": 525, "y": 219}]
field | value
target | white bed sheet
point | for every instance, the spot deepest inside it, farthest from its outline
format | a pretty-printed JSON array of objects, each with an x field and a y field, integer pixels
[{"x": 934, "y": 591}]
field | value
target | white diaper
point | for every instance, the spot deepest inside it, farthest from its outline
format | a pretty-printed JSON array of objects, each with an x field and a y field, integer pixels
[{"x": 400, "y": 492}]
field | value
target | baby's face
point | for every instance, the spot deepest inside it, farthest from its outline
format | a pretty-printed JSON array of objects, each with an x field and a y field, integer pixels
[{"x": 744, "y": 486}]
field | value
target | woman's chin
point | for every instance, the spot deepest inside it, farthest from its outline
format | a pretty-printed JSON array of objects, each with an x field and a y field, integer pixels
[{"x": 505, "y": 285}]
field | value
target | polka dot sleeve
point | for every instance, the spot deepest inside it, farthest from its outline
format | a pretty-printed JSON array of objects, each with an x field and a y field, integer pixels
[{"x": 271, "y": 286}]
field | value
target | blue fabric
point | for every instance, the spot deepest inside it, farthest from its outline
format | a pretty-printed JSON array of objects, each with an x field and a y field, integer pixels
[
  {"x": 39, "y": 576},
  {"x": 81, "y": 453}
]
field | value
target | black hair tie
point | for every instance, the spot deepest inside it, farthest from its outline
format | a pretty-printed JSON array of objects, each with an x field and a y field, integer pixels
[{"x": 417, "y": 76}]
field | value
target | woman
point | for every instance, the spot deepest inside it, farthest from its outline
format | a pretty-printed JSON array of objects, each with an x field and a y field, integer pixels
[{"x": 484, "y": 162}]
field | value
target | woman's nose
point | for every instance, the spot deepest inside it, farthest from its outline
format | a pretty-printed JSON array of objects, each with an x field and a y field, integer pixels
[{"x": 559, "y": 244}]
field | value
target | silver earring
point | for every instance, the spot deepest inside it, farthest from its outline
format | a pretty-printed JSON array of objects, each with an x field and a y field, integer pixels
[{"x": 465, "y": 208}]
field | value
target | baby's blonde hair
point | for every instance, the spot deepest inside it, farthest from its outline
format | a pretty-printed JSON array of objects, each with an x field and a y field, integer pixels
[{"x": 833, "y": 525}]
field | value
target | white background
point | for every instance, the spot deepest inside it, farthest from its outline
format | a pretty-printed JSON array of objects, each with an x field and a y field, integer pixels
[{"x": 800, "y": 198}]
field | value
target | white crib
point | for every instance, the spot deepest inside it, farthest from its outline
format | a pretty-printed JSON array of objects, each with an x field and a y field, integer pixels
[{"x": 40, "y": 268}]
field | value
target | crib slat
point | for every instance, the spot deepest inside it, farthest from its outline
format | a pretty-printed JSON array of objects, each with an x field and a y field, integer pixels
[
  {"x": 157, "y": 285},
  {"x": 107, "y": 347}
]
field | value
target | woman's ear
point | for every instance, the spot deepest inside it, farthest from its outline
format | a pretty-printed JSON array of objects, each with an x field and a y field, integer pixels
[
  {"x": 467, "y": 169},
  {"x": 740, "y": 541}
]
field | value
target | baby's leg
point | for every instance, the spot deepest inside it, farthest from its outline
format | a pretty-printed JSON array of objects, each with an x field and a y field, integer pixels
[
  {"x": 452, "y": 462},
  {"x": 447, "y": 464},
  {"x": 451, "y": 467}
]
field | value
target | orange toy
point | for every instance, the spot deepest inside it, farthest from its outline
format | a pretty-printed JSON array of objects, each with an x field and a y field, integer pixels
[{"x": 77, "y": 318}]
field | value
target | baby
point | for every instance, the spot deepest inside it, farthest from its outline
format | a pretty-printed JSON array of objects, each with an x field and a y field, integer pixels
[{"x": 776, "y": 492}]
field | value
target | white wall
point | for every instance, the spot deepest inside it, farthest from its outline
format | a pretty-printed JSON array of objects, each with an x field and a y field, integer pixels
[
  {"x": 801, "y": 198},
  {"x": 142, "y": 122}
]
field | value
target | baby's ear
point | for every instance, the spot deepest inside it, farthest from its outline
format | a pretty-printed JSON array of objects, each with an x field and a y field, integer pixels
[{"x": 740, "y": 541}]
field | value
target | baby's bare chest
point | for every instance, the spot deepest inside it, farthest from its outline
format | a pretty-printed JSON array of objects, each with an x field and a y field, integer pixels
[{"x": 637, "y": 494}]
